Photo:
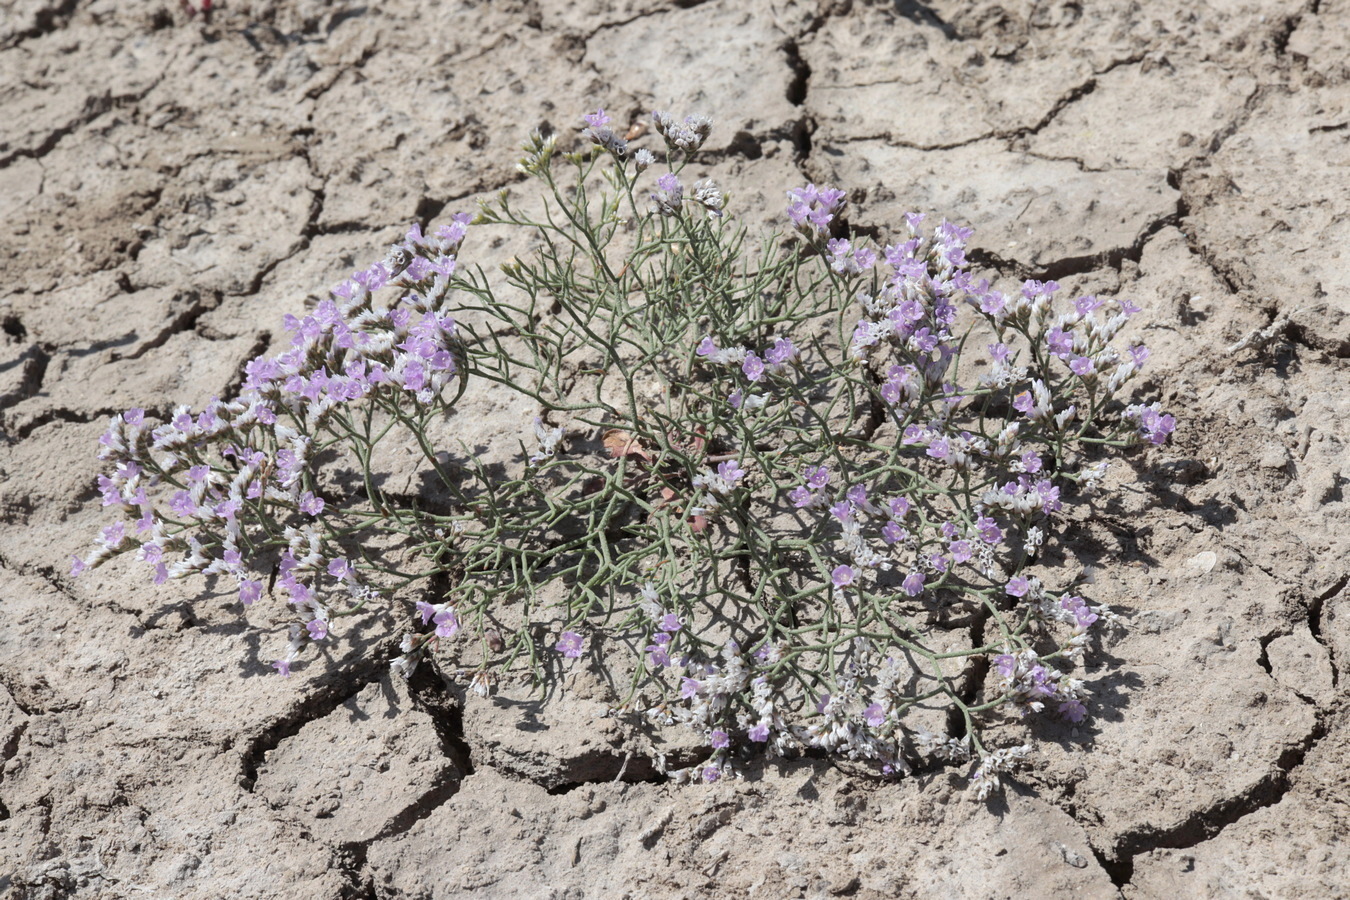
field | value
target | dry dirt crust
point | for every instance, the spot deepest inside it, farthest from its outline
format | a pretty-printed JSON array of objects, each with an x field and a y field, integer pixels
[{"x": 171, "y": 185}]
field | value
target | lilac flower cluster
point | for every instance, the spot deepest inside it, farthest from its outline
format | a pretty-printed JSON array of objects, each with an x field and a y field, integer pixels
[
  {"x": 1053, "y": 372},
  {"x": 812, "y": 209},
  {"x": 232, "y": 490}
]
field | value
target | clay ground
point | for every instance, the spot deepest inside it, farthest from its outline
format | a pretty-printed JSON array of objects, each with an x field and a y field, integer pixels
[{"x": 170, "y": 187}]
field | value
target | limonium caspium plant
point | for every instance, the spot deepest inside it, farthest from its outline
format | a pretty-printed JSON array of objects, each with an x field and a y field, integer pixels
[{"x": 804, "y": 480}]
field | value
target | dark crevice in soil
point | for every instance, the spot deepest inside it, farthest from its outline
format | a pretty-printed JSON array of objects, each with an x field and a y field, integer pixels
[
  {"x": 1069, "y": 97},
  {"x": 25, "y": 706},
  {"x": 13, "y": 326},
  {"x": 1279, "y": 39},
  {"x": 33, "y": 362},
  {"x": 923, "y": 14},
  {"x": 801, "y": 73},
  {"x": 975, "y": 675},
  {"x": 678, "y": 4},
  {"x": 184, "y": 321},
  {"x": 47, "y": 20},
  {"x": 1316, "y": 608},
  {"x": 648, "y": 775},
  {"x": 352, "y": 854},
  {"x": 325, "y": 699},
  {"x": 93, "y": 108},
  {"x": 1263, "y": 658},
  {"x": 1075, "y": 265},
  {"x": 428, "y": 691},
  {"x": 64, "y": 415},
  {"x": 11, "y": 746},
  {"x": 428, "y": 688},
  {"x": 1204, "y": 825}
]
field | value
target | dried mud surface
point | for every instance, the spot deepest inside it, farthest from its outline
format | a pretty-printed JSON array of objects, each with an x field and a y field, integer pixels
[{"x": 170, "y": 187}]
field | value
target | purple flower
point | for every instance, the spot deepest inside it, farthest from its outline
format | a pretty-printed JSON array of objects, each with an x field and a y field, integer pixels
[
  {"x": 77, "y": 567},
  {"x": 1024, "y": 403},
  {"x": 299, "y": 591},
  {"x": 283, "y": 667},
  {"x": 913, "y": 584},
  {"x": 711, "y": 774},
  {"x": 1073, "y": 710},
  {"x": 759, "y": 732},
  {"x": 1041, "y": 686},
  {"x": 425, "y": 610},
  {"x": 874, "y": 715},
  {"x": 998, "y": 352},
  {"x": 801, "y": 497},
  {"x": 731, "y": 472},
  {"x": 842, "y": 576},
  {"x": 1083, "y": 616},
  {"x": 1018, "y": 586},
  {"x": 318, "y": 629},
  {"x": 339, "y": 568},
  {"x": 989, "y": 531},
  {"x": 817, "y": 477},
  {"x": 310, "y": 504},
  {"x": 1031, "y": 289},
  {"x": 1060, "y": 342},
  {"x": 1128, "y": 308},
  {"x": 1138, "y": 353},
  {"x": 657, "y": 656},
  {"x": 447, "y": 624},
  {"x": 1005, "y": 664},
  {"x": 961, "y": 551},
  {"x": 753, "y": 367},
  {"x": 1085, "y": 305},
  {"x": 1031, "y": 462},
  {"x": 228, "y": 509},
  {"x": 815, "y": 206},
  {"x": 781, "y": 353},
  {"x": 249, "y": 591},
  {"x": 569, "y": 645},
  {"x": 134, "y": 416},
  {"x": 689, "y": 688},
  {"x": 892, "y": 533},
  {"x": 719, "y": 739},
  {"x": 843, "y": 511},
  {"x": 112, "y": 494},
  {"x": 597, "y": 118},
  {"x": 668, "y": 183},
  {"x": 857, "y": 495},
  {"x": 113, "y": 535},
  {"x": 670, "y": 623},
  {"x": 899, "y": 507},
  {"x": 1082, "y": 365}
]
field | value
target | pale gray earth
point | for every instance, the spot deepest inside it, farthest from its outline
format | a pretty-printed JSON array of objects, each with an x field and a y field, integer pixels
[{"x": 170, "y": 187}]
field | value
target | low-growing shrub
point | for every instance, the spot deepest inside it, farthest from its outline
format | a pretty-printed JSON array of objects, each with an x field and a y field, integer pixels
[{"x": 788, "y": 491}]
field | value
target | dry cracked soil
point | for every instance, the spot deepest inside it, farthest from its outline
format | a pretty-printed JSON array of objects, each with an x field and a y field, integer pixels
[{"x": 171, "y": 185}]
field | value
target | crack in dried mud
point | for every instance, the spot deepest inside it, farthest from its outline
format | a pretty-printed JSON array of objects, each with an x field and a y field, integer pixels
[
  {"x": 94, "y": 106},
  {"x": 1205, "y": 824},
  {"x": 1316, "y": 608},
  {"x": 1111, "y": 258},
  {"x": 49, "y": 19},
  {"x": 326, "y": 698}
]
